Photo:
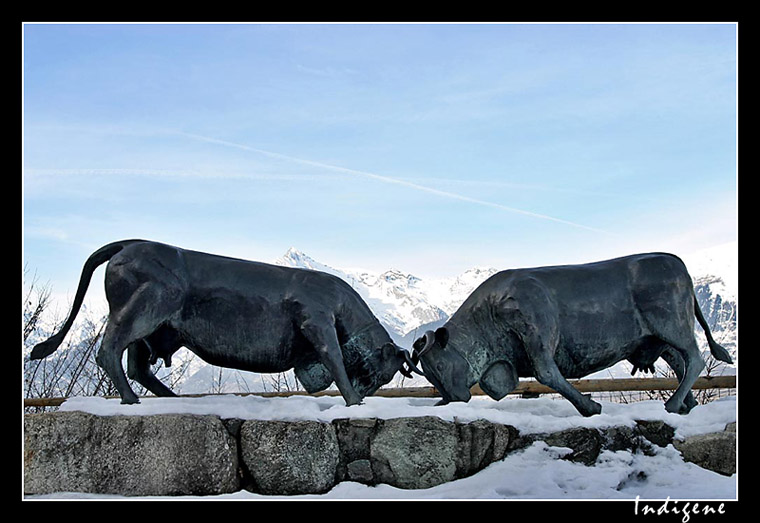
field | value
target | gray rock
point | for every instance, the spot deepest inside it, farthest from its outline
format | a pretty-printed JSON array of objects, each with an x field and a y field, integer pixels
[
  {"x": 476, "y": 446},
  {"x": 657, "y": 432},
  {"x": 715, "y": 451},
  {"x": 354, "y": 437},
  {"x": 586, "y": 444},
  {"x": 522, "y": 441},
  {"x": 128, "y": 455},
  {"x": 621, "y": 438},
  {"x": 414, "y": 453},
  {"x": 503, "y": 438},
  {"x": 360, "y": 470},
  {"x": 290, "y": 457},
  {"x": 479, "y": 444}
]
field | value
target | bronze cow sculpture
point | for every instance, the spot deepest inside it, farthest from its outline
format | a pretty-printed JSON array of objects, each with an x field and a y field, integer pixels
[
  {"x": 232, "y": 313},
  {"x": 560, "y": 322}
]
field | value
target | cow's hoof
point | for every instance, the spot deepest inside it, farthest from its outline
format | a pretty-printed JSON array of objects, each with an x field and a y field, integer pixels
[
  {"x": 676, "y": 407},
  {"x": 591, "y": 408},
  {"x": 131, "y": 400}
]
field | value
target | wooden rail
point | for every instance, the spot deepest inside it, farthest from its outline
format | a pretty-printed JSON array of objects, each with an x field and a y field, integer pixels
[{"x": 524, "y": 388}]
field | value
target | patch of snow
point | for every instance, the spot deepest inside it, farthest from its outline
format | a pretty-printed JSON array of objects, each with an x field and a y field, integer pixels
[{"x": 527, "y": 415}]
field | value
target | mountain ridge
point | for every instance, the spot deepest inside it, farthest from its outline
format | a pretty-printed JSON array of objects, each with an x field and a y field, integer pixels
[{"x": 402, "y": 301}]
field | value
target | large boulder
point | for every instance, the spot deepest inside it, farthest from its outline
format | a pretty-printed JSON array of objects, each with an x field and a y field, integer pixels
[
  {"x": 159, "y": 455},
  {"x": 715, "y": 451},
  {"x": 414, "y": 453},
  {"x": 289, "y": 457},
  {"x": 480, "y": 443},
  {"x": 419, "y": 452}
]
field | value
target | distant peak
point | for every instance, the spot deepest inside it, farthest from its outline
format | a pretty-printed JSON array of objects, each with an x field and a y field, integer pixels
[
  {"x": 396, "y": 275},
  {"x": 478, "y": 270},
  {"x": 295, "y": 254},
  {"x": 295, "y": 257}
]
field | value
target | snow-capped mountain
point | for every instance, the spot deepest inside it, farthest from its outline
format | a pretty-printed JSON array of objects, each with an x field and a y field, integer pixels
[
  {"x": 720, "y": 264},
  {"x": 715, "y": 274},
  {"x": 402, "y": 302},
  {"x": 719, "y": 308}
]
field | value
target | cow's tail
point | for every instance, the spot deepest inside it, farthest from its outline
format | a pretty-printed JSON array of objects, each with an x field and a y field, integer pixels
[
  {"x": 96, "y": 259},
  {"x": 718, "y": 352}
]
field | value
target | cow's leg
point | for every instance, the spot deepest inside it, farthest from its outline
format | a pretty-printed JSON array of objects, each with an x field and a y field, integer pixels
[
  {"x": 128, "y": 323},
  {"x": 138, "y": 368},
  {"x": 671, "y": 319},
  {"x": 541, "y": 340},
  {"x": 547, "y": 373},
  {"x": 112, "y": 347},
  {"x": 667, "y": 310},
  {"x": 539, "y": 331},
  {"x": 320, "y": 332},
  {"x": 693, "y": 364},
  {"x": 675, "y": 362}
]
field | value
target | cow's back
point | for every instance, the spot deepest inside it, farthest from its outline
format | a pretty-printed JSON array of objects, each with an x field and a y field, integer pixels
[
  {"x": 664, "y": 295},
  {"x": 232, "y": 312},
  {"x": 601, "y": 309},
  {"x": 145, "y": 263},
  {"x": 634, "y": 277}
]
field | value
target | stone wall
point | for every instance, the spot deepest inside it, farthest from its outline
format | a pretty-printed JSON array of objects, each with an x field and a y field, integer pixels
[{"x": 184, "y": 454}]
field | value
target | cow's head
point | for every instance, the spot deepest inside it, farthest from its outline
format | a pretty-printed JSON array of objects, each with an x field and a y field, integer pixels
[
  {"x": 443, "y": 366},
  {"x": 378, "y": 368}
]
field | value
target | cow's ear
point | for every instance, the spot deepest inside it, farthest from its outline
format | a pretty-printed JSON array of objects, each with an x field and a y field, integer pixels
[
  {"x": 389, "y": 350},
  {"x": 442, "y": 336}
]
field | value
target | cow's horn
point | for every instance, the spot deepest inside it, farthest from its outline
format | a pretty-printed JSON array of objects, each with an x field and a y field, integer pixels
[
  {"x": 411, "y": 366},
  {"x": 429, "y": 340}
]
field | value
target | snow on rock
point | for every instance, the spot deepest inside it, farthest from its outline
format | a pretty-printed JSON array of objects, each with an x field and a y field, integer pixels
[{"x": 527, "y": 415}]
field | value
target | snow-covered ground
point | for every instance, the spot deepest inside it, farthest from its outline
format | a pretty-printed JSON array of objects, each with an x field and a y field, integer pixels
[{"x": 532, "y": 473}]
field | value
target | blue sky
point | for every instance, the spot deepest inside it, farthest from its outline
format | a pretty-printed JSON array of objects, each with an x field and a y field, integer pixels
[{"x": 430, "y": 148}]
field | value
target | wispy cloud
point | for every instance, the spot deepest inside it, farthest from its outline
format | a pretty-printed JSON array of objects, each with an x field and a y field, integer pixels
[
  {"x": 554, "y": 188},
  {"x": 394, "y": 181},
  {"x": 167, "y": 173}
]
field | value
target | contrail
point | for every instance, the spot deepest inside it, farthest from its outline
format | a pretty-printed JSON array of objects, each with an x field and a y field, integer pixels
[{"x": 395, "y": 181}]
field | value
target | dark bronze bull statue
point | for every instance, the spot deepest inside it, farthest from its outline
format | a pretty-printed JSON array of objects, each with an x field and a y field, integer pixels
[
  {"x": 556, "y": 323},
  {"x": 232, "y": 313}
]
